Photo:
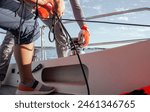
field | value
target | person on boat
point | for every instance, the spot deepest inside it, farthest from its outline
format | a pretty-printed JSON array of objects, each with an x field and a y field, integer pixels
[
  {"x": 61, "y": 40},
  {"x": 18, "y": 19},
  {"x": 6, "y": 50},
  {"x": 59, "y": 34}
]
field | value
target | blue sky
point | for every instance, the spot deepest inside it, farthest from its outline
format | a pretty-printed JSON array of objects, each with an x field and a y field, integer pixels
[{"x": 106, "y": 32}]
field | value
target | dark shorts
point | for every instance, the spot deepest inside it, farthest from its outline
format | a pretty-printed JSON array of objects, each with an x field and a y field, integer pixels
[{"x": 18, "y": 19}]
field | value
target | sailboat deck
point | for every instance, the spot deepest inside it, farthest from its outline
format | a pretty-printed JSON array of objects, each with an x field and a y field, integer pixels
[{"x": 10, "y": 90}]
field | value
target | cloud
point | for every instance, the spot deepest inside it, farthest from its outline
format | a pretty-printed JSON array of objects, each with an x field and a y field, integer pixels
[
  {"x": 85, "y": 1},
  {"x": 118, "y": 19},
  {"x": 123, "y": 18},
  {"x": 144, "y": 1},
  {"x": 121, "y": 9},
  {"x": 97, "y": 7}
]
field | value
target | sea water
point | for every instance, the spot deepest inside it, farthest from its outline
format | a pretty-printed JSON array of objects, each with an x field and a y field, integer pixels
[{"x": 50, "y": 53}]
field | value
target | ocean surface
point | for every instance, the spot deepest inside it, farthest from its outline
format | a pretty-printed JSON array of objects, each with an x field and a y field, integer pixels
[{"x": 50, "y": 53}]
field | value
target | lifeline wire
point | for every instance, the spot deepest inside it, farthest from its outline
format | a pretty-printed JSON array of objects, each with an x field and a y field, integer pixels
[{"x": 106, "y": 22}]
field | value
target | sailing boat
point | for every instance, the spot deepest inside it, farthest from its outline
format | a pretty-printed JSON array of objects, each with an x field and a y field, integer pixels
[{"x": 108, "y": 72}]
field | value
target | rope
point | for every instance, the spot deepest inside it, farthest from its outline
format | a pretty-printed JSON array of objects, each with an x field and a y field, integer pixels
[
  {"x": 52, "y": 28},
  {"x": 86, "y": 81}
]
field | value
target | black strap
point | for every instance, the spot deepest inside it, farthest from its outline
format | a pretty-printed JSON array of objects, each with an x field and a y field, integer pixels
[{"x": 35, "y": 84}]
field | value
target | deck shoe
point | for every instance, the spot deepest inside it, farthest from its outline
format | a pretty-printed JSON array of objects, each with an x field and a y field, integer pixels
[{"x": 36, "y": 89}]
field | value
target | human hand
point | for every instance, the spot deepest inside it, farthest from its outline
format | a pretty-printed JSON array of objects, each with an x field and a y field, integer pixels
[
  {"x": 54, "y": 6},
  {"x": 84, "y": 36},
  {"x": 59, "y": 7}
]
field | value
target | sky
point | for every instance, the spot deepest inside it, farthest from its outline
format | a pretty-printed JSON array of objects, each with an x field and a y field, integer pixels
[{"x": 106, "y": 32}]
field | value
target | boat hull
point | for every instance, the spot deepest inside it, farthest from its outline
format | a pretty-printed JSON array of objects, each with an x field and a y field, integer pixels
[{"x": 109, "y": 72}]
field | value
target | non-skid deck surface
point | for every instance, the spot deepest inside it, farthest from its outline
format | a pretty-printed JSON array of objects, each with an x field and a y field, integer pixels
[
  {"x": 10, "y": 90},
  {"x": 7, "y": 90}
]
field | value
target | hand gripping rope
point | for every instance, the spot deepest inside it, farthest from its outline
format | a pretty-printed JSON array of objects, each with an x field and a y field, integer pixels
[{"x": 56, "y": 17}]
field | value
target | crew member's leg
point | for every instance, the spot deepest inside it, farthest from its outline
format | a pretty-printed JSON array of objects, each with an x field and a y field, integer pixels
[
  {"x": 6, "y": 50},
  {"x": 62, "y": 41},
  {"x": 23, "y": 26},
  {"x": 24, "y": 54},
  {"x": 60, "y": 38}
]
